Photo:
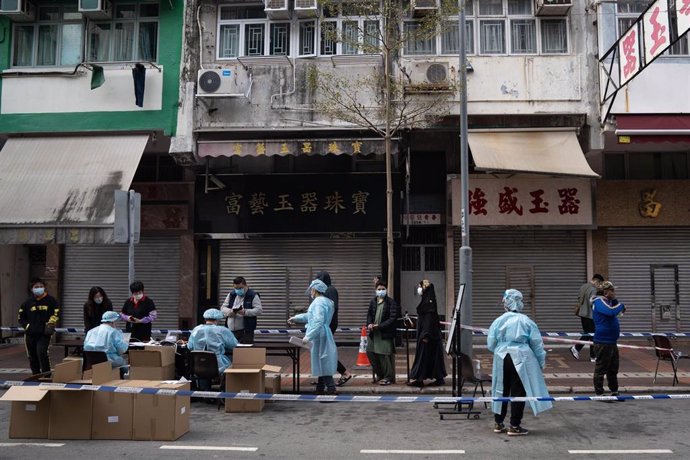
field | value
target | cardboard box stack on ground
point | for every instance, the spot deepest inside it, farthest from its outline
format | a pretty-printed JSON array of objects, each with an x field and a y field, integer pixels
[
  {"x": 152, "y": 363},
  {"x": 247, "y": 375},
  {"x": 41, "y": 413},
  {"x": 273, "y": 384}
]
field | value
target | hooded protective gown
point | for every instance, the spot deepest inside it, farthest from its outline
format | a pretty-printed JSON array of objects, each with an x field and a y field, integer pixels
[
  {"x": 110, "y": 340},
  {"x": 218, "y": 339},
  {"x": 324, "y": 354},
  {"x": 515, "y": 334}
]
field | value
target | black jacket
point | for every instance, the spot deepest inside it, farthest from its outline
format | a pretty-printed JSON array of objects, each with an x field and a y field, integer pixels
[
  {"x": 389, "y": 318},
  {"x": 331, "y": 293},
  {"x": 141, "y": 331},
  {"x": 34, "y": 314},
  {"x": 428, "y": 322},
  {"x": 93, "y": 313}
]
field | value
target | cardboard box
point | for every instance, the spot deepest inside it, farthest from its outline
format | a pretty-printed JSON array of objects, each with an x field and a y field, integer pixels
[
  {"x": 113, "y": 413},
  {"x": 152, "y": 363},
  {"x": 273, "y": 384},
  {"x": 247, "y": 375},
  {"x": 160, "y": 417},
  {"x": 29, "y": 412}
]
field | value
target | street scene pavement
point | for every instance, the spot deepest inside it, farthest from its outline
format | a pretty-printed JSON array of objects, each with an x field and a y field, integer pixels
[{"x": 578, "y": 429}]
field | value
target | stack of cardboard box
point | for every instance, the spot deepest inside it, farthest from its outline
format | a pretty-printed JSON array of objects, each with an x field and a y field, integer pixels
[
  {"x": 39, "y": 412},
  {"x": 247, "y": 375}
]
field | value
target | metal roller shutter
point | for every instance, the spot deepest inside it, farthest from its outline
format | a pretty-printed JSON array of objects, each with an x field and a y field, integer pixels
[
  {"x": 281, "y": 269},
  {"x": 547, "y": 266},
  {"x": 631, "y": 253},
  {"x": 156, "y": 264}
]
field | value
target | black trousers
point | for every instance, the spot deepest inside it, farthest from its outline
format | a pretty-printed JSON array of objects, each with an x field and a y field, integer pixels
[
  {"x": 37, "y": 351},
  {"x": 607, "y": 364},
  {"x": 341, "y": 368},
  {"x": 512, "y": 386},
  {"x": 587, "y": 326},
  {"x": 244, "y": 337}
]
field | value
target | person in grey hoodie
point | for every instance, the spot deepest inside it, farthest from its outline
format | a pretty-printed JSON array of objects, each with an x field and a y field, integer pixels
[
  {"x": 583, "y": 309},
  {"x": 332, "y": 293}
]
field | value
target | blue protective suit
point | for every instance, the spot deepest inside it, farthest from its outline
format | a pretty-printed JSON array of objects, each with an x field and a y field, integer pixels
[
  {"x": 110, "y": 340},
  {"x": 324, "y": 354},
  {"x": 515, "y": 334},
  {"x": 218, "y": 339}
]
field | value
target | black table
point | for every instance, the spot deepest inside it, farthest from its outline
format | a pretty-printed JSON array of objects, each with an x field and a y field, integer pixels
[{"x": 284, "y": 349}]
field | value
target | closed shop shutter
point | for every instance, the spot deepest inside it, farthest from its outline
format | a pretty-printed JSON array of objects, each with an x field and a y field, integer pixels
[
  {"x": 156, "y": 264},
  {"x": 281, "y": 269},
  {"x": 547, "y": 266},
  {"x": 632, "y": 252}
]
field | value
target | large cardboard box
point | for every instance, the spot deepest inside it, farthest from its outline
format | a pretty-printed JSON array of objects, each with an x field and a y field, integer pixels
[
  {"x": 273, "y": 384},
  {"x": 113, "y": 413},
  {"x": 152, "y": 363},
  {"x": 161, "y": 417},
  {"x": 29, "y": 412},
  {"x": 247, "y": 375}
]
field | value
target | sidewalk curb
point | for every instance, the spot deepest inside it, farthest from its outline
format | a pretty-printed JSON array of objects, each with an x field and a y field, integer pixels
[{"x": 554, "y": 389}]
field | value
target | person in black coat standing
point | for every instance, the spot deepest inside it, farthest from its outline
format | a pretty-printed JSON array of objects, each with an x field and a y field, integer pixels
[
  {"x": 139, "y": 311},
  {"x": 97, "y": 304},
  {"x": 382, "y": 320},
  {"x": 429, "y": 362},
  {"x": 332, "y": 293}
]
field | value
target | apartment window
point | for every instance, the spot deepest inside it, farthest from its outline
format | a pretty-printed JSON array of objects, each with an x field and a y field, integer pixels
[
  {"x": 132, "y": 34},
  {"x": 348, "y": 34},
  {"x": 244, "y": 30},
  {"x": 307, "y": 38},
  {"x": 554, "y": 36},
  {"x": 450, "y": 39},
  {"x": 55, "y": 39},
  {"x": 417, "y": 40}
]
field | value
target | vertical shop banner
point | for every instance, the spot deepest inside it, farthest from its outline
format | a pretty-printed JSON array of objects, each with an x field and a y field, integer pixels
[
  {"x": 683, "y": 16},
  {"x": 629, "y": 52},
  {"x": 295, "y": 203},
  {"x": 657, "y": 33}
]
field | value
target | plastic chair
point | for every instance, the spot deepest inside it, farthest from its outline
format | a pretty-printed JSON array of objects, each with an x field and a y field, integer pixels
[
  {"x": 204, "y": 366},
  {"x": 91, "y": 358},
  {"x": 467, "y": 375},
  {"x": 667, "y": 354}
]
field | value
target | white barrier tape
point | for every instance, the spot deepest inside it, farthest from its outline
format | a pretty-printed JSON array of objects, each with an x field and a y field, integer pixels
[
  {"x": 340, "y": 398},
  {"x": 76, "y": 330}
]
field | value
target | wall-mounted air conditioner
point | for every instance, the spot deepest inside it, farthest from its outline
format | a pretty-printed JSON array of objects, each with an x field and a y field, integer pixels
[
  {"x": 229, "y": 81},
  {"x": 277, "y": 9},
  {"x": 420, "y": 8},
  {"x": 427, "y": 76},
  {"x": 96, "y": 9},
  {"x": 552, "y": 7},
  {"x": 18, "y": 10},
  {"x": 306, "y": 8}
]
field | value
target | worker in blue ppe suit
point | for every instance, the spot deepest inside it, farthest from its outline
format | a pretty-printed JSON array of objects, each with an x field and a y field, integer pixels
[
  {"x": 519, "y": 358},
  {"x": 324, "y": 354},
  {"x": 109, "y": 339},
  {"x": 212, "y": 337}
]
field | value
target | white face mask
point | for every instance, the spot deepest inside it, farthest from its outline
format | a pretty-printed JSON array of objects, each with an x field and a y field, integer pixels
[
  {"x": 420, "y": 291},
  {"x": 138, "y": 296},
  {"x": 98, "y": 300}
]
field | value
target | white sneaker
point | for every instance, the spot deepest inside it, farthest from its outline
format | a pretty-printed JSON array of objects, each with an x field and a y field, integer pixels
[
  {"x": 592, "y": 360},
  {"x": 574, "y": 352}
]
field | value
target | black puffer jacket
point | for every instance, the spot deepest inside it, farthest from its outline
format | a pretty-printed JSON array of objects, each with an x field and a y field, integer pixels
[
  {"x": 331, "y": 293},
  {"x": 389, "y": 318}
]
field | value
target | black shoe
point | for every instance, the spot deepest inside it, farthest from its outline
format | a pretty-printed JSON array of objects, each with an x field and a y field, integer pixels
[
  {"x": 385, "y": 382},
  {"x": 517, "y": 431},
  {"x": 437, "y": 383},
  {"x": 416, "y": 383},
  {"x": 616, "y": 394},
  {"x": 343, "y": 380},
  {"x": 499, "y": 428}
]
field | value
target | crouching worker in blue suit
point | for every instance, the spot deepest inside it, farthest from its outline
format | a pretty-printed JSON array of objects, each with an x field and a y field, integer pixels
[
  {"x": 212, "y": 337},
  {"x": 519, "y": 358},
  {"x": 109, "y": 339}
]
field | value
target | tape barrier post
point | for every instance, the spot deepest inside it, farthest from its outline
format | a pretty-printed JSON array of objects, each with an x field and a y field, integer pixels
[{"x": 344, "y": 398}]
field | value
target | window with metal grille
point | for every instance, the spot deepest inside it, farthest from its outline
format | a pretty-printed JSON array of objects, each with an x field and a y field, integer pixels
[{"x": 411, "y": 259}]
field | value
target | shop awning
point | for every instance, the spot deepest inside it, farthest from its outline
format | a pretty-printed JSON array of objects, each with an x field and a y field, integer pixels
[
  {"x": 653, "y": 128},
  {"x": 537, "y": 152},
  {"x": 296, "y": 147},
  {"x": 61, "y": 189}
]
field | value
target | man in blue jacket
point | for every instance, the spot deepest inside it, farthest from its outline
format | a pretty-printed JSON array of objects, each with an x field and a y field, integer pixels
[{"x": 605, "y": 311}]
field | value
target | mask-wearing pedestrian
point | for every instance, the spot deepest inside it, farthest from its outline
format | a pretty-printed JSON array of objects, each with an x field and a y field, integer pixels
[
  {"x": 38, "y": 291},
  {"x": 239, "y": 292},
  {"x": 138, "y": 296},
  {"x": 98, "y": 300},
  {"x": 420, "y": 291},
  {"x": 381, "y": 293}
]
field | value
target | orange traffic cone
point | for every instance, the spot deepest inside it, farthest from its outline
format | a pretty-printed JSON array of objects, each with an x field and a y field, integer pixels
[{"x": 362, "y": 359}]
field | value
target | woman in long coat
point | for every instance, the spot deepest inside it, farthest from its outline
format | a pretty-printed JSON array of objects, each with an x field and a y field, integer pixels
[{"x": 428, "y": 359}]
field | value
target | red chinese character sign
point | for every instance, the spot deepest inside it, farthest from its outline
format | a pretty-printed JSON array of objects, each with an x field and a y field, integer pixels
[
  {"x": 629, "y": 54},
  {"x": 657, "y": 33},
  {"x": 683, "y": 16},
  {"x": 526, "y": 202}
]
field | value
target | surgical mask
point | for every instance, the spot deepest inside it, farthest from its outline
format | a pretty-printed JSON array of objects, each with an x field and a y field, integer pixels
[
  {"x": 98, "y": 300},
  {"x": 420, "y": 291},
  {"x": 38, "y": 291},
  {"x": 381, "y": 293},
  {"x": 138, "y": 296},
  {"x": 239, "y": 292}
]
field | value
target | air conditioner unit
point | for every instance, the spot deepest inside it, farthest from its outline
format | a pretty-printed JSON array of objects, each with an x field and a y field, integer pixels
[
  {"x": 552, "y": 7},
  {"x": 277, "y": 9},
  {"x": 420, "y": 8},
  {"x": 96, "y": 9},
  {"x": 306, "y": 8},
  {"x": 222, "y": 81},
  {"x": 18, "y": 10},
  {"x": 424, "y": 77}
]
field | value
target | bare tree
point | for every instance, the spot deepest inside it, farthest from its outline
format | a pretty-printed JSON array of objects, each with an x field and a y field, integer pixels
[{"x": 380, "y": 99}]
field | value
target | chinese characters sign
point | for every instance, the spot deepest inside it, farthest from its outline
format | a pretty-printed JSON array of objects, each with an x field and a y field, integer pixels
[
  {"x": 629, "y": 52},
  {"x": 305, "y": 203},
  {"x": 291, "y": 147},
  {"x": 555, "y": 202},
  {"x": 657, "y": 33}
]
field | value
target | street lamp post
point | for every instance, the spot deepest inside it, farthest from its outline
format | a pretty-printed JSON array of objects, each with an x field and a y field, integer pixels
[{"x": 465, "y": 256}]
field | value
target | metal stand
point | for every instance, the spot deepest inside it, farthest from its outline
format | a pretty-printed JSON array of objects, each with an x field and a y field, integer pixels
[{"x": 457, "y": 381}]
